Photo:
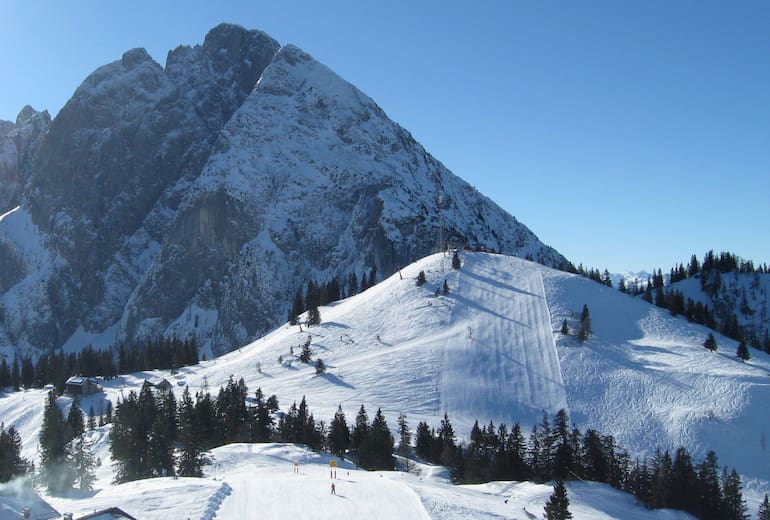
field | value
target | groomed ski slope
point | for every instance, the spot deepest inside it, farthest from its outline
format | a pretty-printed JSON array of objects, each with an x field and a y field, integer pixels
[
  {"x": 484, "y": 351},
  {"x": 251, "y": 481},
  {"x": 490, "y": 350}
]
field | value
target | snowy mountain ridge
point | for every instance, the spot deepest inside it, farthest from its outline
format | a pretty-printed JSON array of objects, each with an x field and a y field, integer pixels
[
  {"x": 489, "y": 350},
  {"x": 197, "y": 197}
]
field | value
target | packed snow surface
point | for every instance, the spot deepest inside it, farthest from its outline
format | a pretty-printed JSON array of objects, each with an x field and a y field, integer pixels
[{"x": 490, "y": 349}]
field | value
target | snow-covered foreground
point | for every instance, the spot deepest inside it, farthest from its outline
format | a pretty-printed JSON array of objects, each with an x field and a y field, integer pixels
[
  {"x": 249, "y": 481},
  {"x": 488, "y": 350}
]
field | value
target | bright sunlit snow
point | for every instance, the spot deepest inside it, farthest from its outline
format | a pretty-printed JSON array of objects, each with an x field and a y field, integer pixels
[{"x": 489, "y": 350}]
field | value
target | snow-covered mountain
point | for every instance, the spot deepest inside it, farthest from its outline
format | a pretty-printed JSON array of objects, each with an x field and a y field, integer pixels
[
  {"x": 197, "y": 197},
  {"x": 491, "y": 349}
]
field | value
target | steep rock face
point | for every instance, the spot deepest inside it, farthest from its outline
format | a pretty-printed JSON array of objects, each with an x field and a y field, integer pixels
[
  {"x": 198, "y": 197},
  {"x": 18, "y": 146},
  {"x": 104, "y": 182},
  {"x": 308, "y": 180}
]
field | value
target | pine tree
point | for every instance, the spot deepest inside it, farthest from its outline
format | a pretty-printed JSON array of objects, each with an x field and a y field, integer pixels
[
  {"x": 457, "y": 468},
  {"x": 377, "y": 451},
  {"x": 404, "y": 436},
  {"x": 710, "y": 342},
  {"x": 564, "y": 328},
  {"x": 585, "y": 324},
  {"x": 743, "y": 351},
  {"x": 456, "y": 263},
  {"x": 423, "y": 441},
  {"x": 764, "y": 509},
  {"x": 734, "y": 505},
  {"x": 313, "y": 316},
  {"x": 709, "y": 492},
  {"x": 83, "y": 464},
  {"x": 339, "y": 434},
  {"x": 11, "y": 462},
  {"x": 55, "y": 471},
  {"x": 320, "y": 367},
  {"x": 446, "y": 441},
  {"x": 262, "y": 425},
  {"x": 91, "y": 418},
  {"x": 683, "y": 487},
  {"x": 15, "y": 374},
  {"x": 75, "y": 421},
  {"x": 360, "y": 430},
  {"x": 297, "y": 308},
  {"x": 132, "y": 434},
  {"x": 312, "y": 301},
  {"x": 557, "y": 506},
  {"x": 306, "y": 354},
  {"x": 27, "y": 372},
  {"x": 163, "y": 435},
  {"x": 5, "y": 374},
  {"x": 564, "y": 456},
  {"x": 421, "y": 278},
  {"x": 190, "y": 462}
]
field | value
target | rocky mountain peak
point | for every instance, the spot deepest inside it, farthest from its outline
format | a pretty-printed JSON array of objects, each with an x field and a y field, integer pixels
[
  {"x": 135, "y": 57},
  {"x": 29, "y": 114},
  {"x": 197, "y": 198}
]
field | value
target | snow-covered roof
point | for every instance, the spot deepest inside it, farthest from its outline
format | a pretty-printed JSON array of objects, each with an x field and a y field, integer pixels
[
  {"x": 107, "y": 514},
  {"x": 12, "y": 505}
]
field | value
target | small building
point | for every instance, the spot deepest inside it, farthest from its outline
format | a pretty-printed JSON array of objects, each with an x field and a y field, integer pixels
[
  {"x": 79, "y": 385},
  {"x": 164, "y": 386},
  {"x": 107, "y": 514},
  {"x": 24, "y": 504}
]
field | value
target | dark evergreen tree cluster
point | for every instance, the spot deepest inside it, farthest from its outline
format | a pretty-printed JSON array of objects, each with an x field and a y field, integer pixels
[
  {"x": 153, "y": 435},
  {"x": 12, "y": 464},
  {"x": 320, "y": 294},
  {"x": 556, "y": 451},
  {"x": 56, "y": 368},
  {"x": 729, "y": 303},
  {"x": 678, "y": 483},
  {"x": 65, "y": 457},
  {"x": 594, "y": 274},
  {"x": 724, "y": 317},
  {"x": 143, "y": 435},
  {"x": 163, "y": 354},
  {"x": 299, "y": 426},
  {"x": 372, "y": 443},
  {"x": 440, "y": 447}
]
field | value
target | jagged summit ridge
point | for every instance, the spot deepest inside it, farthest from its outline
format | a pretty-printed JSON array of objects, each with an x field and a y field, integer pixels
[{"x": 197, "y": 197}]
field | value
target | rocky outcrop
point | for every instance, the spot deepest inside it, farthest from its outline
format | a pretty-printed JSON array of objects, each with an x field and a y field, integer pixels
[{"x": 197, "y": 197}]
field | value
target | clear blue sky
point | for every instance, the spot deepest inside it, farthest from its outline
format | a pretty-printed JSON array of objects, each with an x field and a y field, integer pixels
[{"x": 626, "y": 134}]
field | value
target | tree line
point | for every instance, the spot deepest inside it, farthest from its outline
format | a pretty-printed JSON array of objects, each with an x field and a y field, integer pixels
[
  {"x": 723, "y": 317},
  {"x": 319, "y": 294},
  {"x": 153, "y": 435},
  {"x": 56, "y": 368},
  {"x": 555, "y": 451}
]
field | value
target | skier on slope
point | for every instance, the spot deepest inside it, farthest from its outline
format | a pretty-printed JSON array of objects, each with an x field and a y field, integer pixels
[{"x": 334, "y": 491}]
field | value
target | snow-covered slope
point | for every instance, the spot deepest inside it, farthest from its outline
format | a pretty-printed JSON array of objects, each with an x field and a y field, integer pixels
[
  {"x": 258, "y": 481},
  {"x": 491, "y": 350}
]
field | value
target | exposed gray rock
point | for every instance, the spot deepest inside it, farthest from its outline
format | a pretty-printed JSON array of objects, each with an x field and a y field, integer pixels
[{"x": 197, "y": 197}]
